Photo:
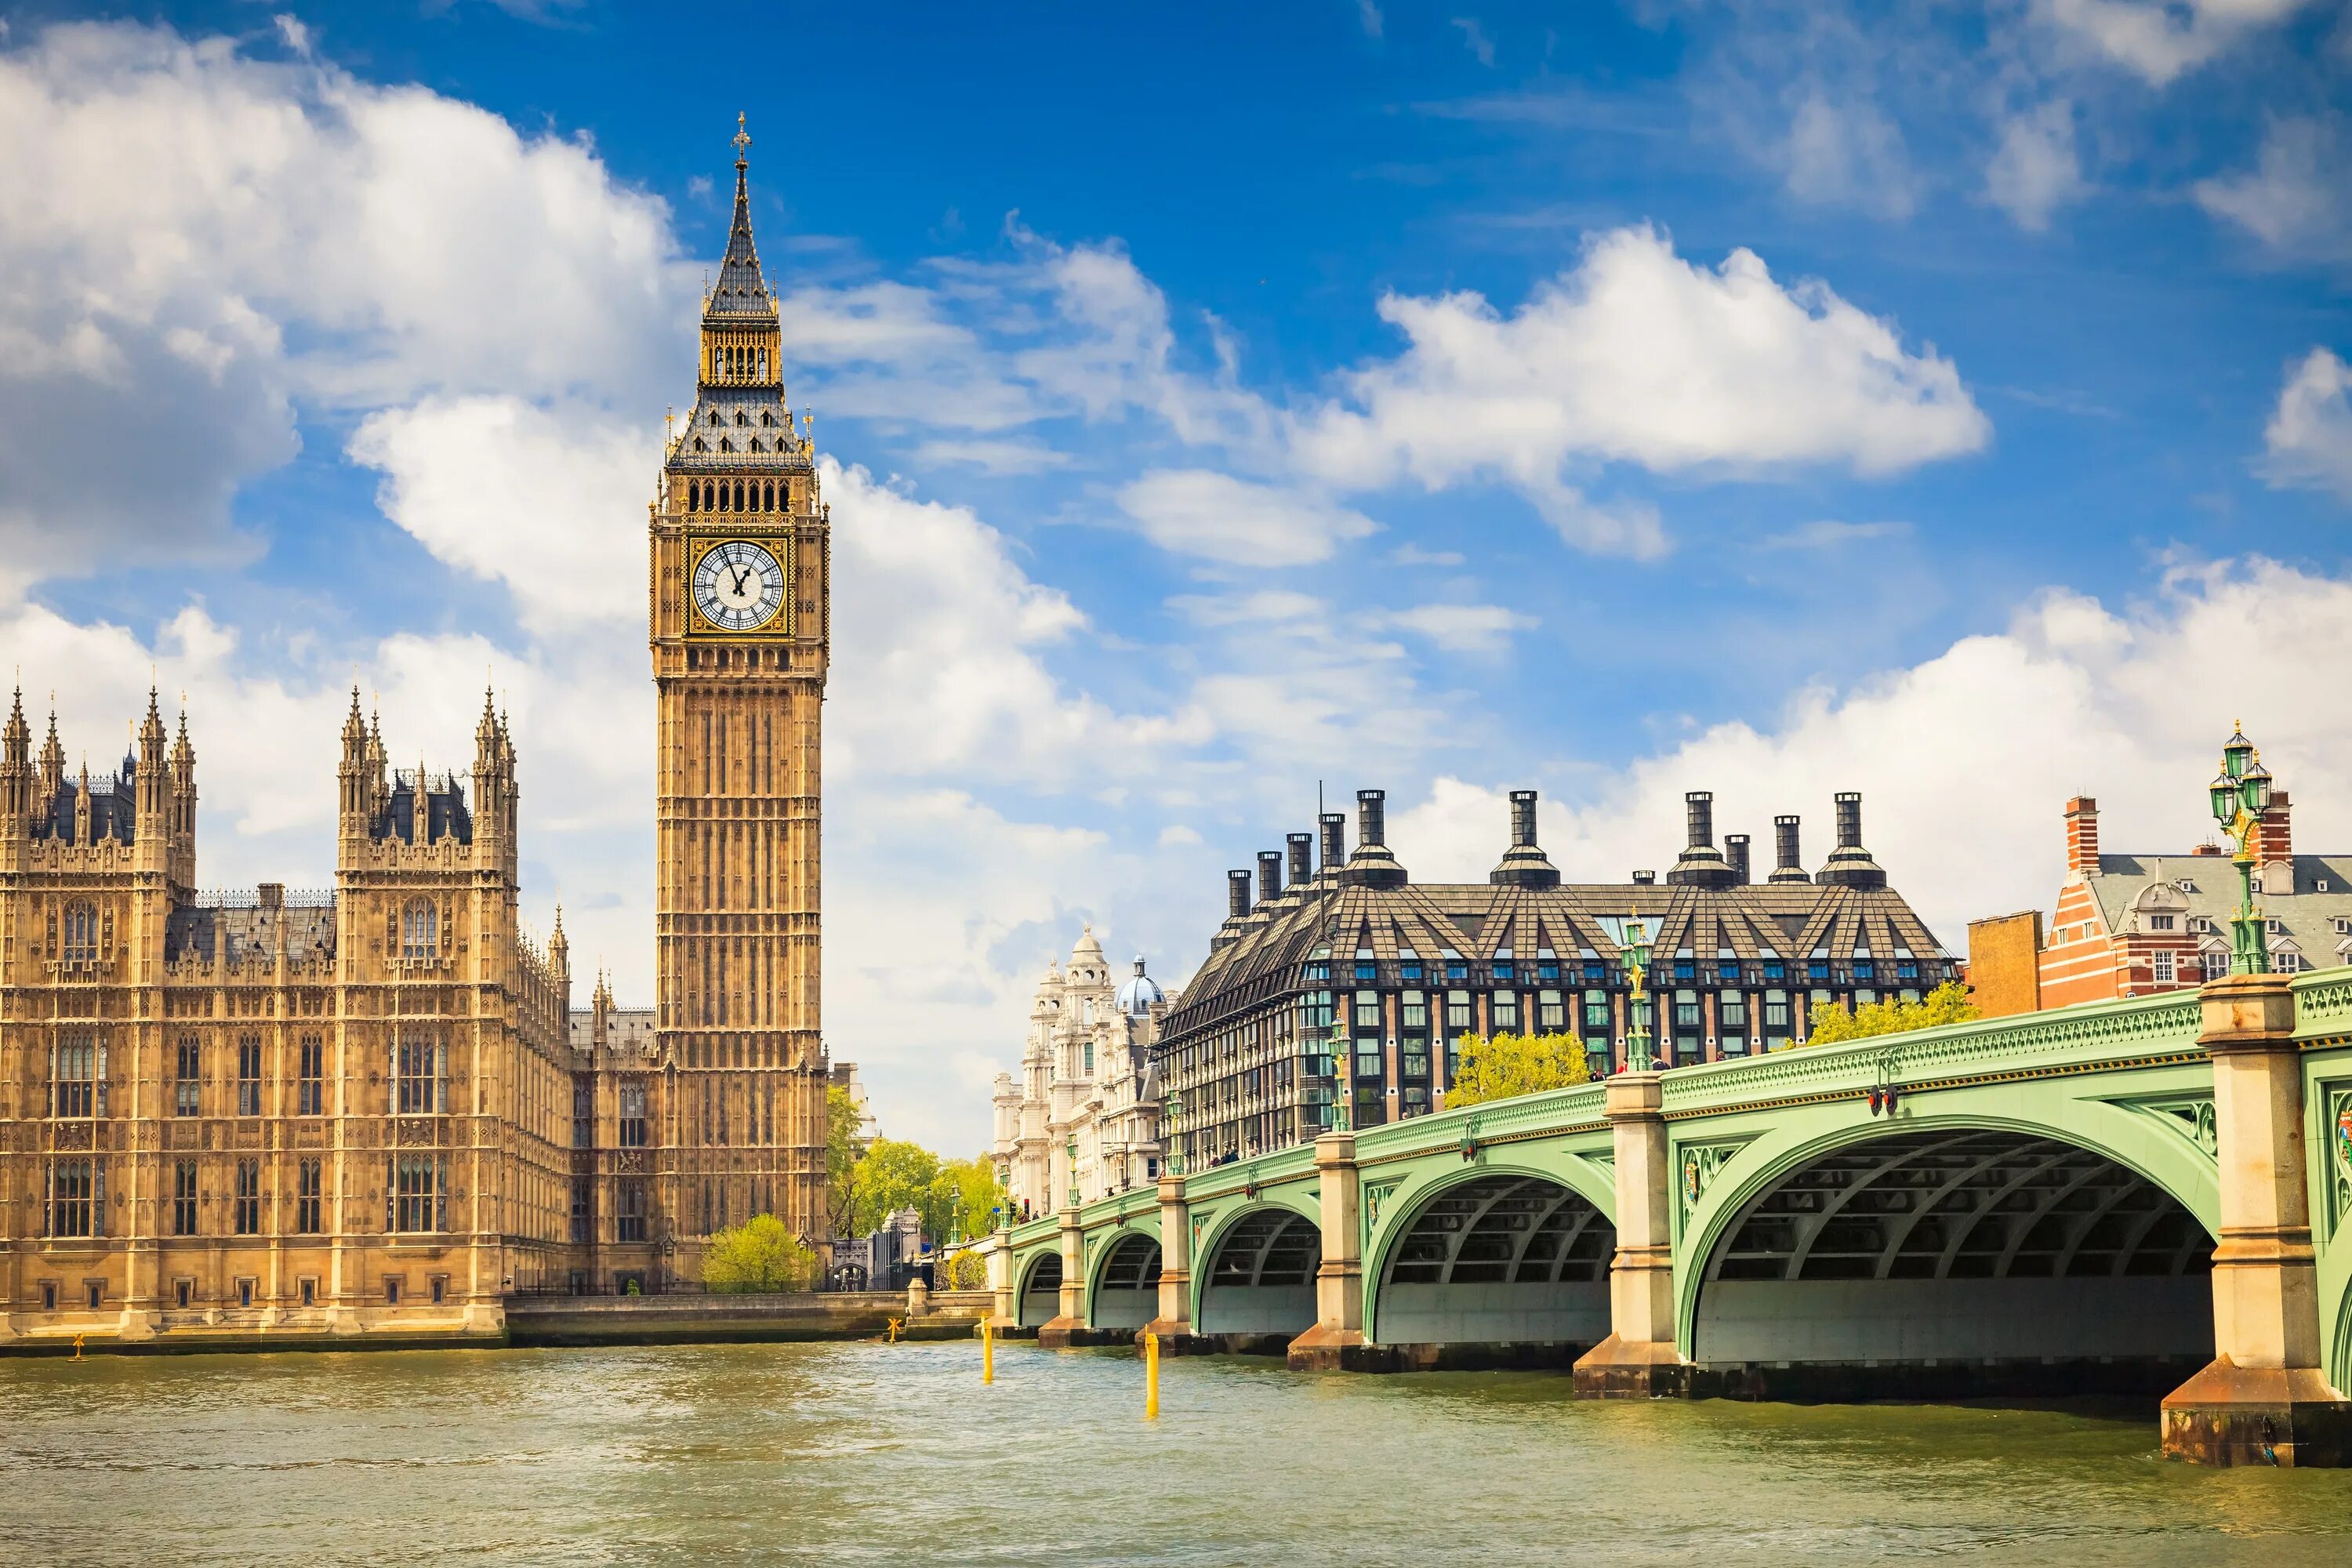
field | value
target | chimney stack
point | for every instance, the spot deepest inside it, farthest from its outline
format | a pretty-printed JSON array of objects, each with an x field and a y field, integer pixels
[
  {"x": 1335, "y": 840},
  {"x": 1372, "y": 865},
  {"x": 2275, "y": 846},
  {"x": 1850, "y": 865},
  {"x": 1302, "y": 857},
  {"x": 1238, "y": 894},
  {"x": 1735, "y": 852},
  {"x": 2082, "y": 837},
  {"x": 1269, "y": 875},
  {"x": 1849, "y": 819},
  {"x": 1700, "y": 864},
  {"x": 1698, "y": 819},
  {"x": 1524, "y": 864},
  {"x": 1788, "y": 856}
]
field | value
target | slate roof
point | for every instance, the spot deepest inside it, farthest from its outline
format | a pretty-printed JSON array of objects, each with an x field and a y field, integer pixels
[
  {"x": 2311, "y": 913},
  {"x": 250, "y": 931},
  {"x": 1575, "y": 923}
]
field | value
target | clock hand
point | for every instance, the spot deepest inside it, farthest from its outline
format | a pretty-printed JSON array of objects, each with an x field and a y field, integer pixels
[{"x": 742, "y": 577}]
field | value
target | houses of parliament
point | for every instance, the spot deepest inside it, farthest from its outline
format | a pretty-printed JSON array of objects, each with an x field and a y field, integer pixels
[{"x": 373, "y": 1110}]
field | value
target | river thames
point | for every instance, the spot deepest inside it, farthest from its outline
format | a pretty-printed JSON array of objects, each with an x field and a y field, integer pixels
[{"x": 871, "y": 1453}]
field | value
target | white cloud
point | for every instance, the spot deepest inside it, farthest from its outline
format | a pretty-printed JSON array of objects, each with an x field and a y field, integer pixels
[
  {"x": 2158, "y": 40},
  {"x": 1847, "y": 152},
  {"x": 1198, "y": 511},
  {"x": 938, "y": 663},
  {"x": 2035, "y": 172},
  {"x": 1463, "y": 629},
  {"x": 1475, "y": 39},
  {"x": 551, "y": 504},
  {"x": 1828, "y": 533},
  {"x": 2309, "y": 437},
  {"x": 212, "y": 237},
  {"x": 2294, "y": 199},
  {"x": 1638, "y": 357},
  {"x": 1367, "y": 16},
  {"x": 2123, "y": 705}
]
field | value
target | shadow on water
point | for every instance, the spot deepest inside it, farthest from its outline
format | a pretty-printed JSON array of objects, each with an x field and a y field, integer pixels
[{"x": 868, "y": 1453}]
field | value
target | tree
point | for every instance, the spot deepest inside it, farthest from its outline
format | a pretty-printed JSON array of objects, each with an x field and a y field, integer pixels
[
  {"x": 966, "y": 1270},
  {"x": 1509, "y": 1065},
  {"x": 758, "y": 1255},
  {"x": 1947, "y": 1003},
  {"x": 893, "y": 1175},
  {"x": 842, "y": 1152}
]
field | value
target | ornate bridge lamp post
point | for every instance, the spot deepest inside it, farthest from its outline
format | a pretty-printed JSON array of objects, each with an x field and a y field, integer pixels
[
  {"x": 1637, "y": 948},
  {"x": 1072, "y": 1150},
  {"x": 2241, "y": 794}
]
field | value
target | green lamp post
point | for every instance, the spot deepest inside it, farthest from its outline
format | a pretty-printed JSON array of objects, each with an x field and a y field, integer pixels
[
  {"x": 1171, "y": 1121},
  {"x": 1636, "y": 947},
  {"x": 1072, "y": 1150},
  {"x": 2241, "y": 795}
]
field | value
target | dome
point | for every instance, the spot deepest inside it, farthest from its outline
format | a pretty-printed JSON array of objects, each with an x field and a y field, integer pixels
[{"x": 1140, "y": 994}]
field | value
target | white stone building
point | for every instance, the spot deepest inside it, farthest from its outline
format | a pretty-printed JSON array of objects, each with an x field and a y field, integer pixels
[{"x": 1086, "y": 1081}]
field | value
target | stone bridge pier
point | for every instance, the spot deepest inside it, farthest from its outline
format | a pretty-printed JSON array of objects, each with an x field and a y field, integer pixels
[{"x": 2264, "y": 1399}]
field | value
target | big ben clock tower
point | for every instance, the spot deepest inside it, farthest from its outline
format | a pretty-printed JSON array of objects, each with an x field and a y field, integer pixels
[{"x": 739, "y": 637}]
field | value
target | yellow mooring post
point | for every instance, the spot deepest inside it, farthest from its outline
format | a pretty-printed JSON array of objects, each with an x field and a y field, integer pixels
[
  {"x": 1151, "y": 1377},
  {"x": 987, "y": 1350},
  {"x": 77, "y": 1355},
  {"x": 892, "y": 1332}
]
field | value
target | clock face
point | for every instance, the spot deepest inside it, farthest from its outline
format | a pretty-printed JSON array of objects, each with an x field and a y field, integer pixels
[{"x": 739, "y": 586}]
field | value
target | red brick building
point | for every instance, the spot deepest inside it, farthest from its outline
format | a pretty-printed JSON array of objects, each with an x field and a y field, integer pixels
[{"x": 2131, "y": 925}]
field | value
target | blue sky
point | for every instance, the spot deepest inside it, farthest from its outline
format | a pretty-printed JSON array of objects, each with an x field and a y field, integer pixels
[{"x": 1944, "y": 401}]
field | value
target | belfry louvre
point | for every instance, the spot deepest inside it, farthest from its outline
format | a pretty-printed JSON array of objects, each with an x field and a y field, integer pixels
[{"x": 1346, "y": 979}]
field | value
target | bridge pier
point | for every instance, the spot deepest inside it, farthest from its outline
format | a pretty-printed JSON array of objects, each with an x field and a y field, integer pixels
[
  {"x": 1639, "y": 1359},
  {"x": 2264, "y": 1399},
  {"x": 1004, "y": 1306},
  {"x": 1336, "y": 1342},
  {"x": 1068, "y": 1325},
  {"x": 1172, "y": 1323}
]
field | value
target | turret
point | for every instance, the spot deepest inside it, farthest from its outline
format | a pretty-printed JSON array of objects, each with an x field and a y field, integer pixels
[
  {"x": 15, "y": 772},
  {"x": 53, "y": 766},
  {"x": 184, "y": 807}
]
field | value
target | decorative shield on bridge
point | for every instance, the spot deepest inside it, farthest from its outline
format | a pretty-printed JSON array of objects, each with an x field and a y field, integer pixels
[{"x": 2343, "y": 1134}]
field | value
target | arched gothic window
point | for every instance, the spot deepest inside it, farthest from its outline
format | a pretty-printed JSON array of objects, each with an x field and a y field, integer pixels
[
  {"x": 741, "y": 418},
  {"x": 725, "y": 445},
  {"x": 700, "y": 445},
  {"x": 80, "y": 931},
  {"x": 420, "y": 930},
  {"x": 768, "y": 496},
  {"x": 766, "y": 419}
]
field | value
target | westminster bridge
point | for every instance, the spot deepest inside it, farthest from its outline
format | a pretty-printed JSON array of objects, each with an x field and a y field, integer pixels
[{"x": 2125, "y": 1196}]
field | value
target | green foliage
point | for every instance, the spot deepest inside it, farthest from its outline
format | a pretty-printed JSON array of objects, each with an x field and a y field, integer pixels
[
  {"x": 758, "y": 1255},
  {"x": 1947, "y": 1003},
  {"x": 1506, "y": 1065},
  {"x": 965, "y": 1270},
  {"x": 842, "y": 1151}
]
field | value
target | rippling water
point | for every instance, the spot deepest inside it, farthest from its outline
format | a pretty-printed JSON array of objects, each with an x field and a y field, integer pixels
[{"x": 878, "y": 1453}]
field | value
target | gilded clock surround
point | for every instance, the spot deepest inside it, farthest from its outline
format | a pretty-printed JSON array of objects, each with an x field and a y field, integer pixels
[{"x": 699, "y": 545}]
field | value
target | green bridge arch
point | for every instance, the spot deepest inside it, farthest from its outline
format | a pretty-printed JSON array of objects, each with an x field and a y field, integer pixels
[{"x": 1389, "y": 1219}]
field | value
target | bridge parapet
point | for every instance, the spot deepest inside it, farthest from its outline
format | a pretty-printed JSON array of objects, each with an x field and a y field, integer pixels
[{"x": 2090, "y": 1036}]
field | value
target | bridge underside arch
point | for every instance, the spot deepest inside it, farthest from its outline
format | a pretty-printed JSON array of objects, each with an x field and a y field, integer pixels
[
  {"x": 1126, "y": 1291},
  {"x": 1261, "y": 1279},
  {"x": 1499, "y": 1258},
  {"x": 1962, "y": 1247},
  {"x": 1041, "y": 1292}
]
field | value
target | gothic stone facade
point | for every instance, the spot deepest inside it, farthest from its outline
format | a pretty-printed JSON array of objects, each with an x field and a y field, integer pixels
[{"x": 280, "y": 1113}]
